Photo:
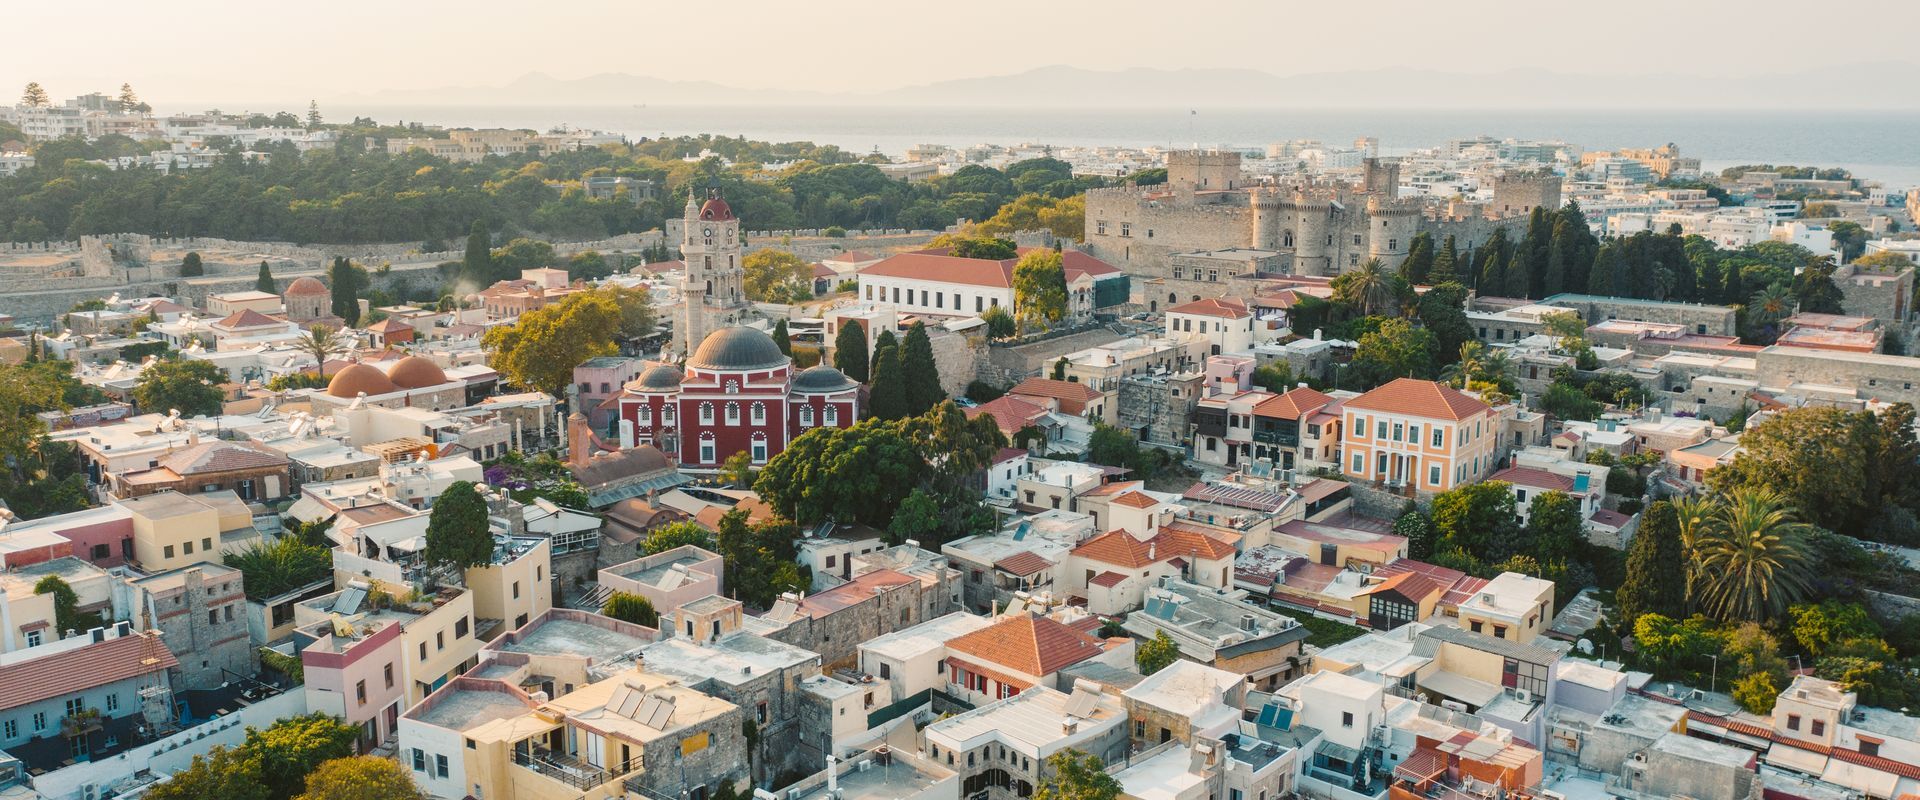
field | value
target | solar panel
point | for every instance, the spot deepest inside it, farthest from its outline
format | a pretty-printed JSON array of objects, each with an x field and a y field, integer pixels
[
  {"x": 1081, "y": 703},
  {"x": 1580, "y": 482},
  {"x": 1020, "y": 531},
  {"x": 1162, "y": 608},
  {"x": 349, "y": 600}
]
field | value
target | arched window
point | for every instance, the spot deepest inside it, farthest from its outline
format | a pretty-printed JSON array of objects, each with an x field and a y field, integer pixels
[
  {"x": 759, "y": 413},
  {"x": 806, "y": 416},
  {"x": 1286, "y": 239},
  {"x": 646, "y": 414},
  {"x": 733, "y": 413},
  {"x": 733, "y": 387},
  {"x": 666, "y": 414},
  {"x": 706, "y": 413},
  {"x": 833, "y": 414}
]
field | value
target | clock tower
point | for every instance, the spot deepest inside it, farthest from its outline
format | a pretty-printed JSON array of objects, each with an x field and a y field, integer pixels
[{"x": 712, "y": 291}]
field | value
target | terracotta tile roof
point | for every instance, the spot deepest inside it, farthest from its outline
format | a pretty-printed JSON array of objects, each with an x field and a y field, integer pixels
[
  {"x": 222, "y": 457},
  {"x": 1022, "y": 564},
  {"x": 1533, "y": 479},
  {"x": 1297, "y": 403},
  {"x": 1136, "y": 500},
  {"x": 1179, "y": 542},
  {"x": 1611, "y": 519},
  {"x": 1008, "y": 454},
  {"x": 1010, "y": 413},
  {"x": 854, "y": 257},
  {"x": 1076, "y": 263},
  {"x": 1114, "y": 488},
  {"x": 1118, "y": 548},
  {"x": 1412, "y": 585},
  {"x": 1060, "y": 390},
  {"x": 246, "y": 318},
  {"x": 853, "y": 592},
  {"x": 1419, "y": 398},
  {"x": 823, "y": 271},
  {"x": 1887, "y": 765},
  {"x": 1423, "y": 765},
  {"x": 1107, "y": 579},
  {"x": 85, "y": 667},
  {"x": 659, "y": 267},
  {"x": 943, "y": 268},
  {"x": 1227, "y": 307},
  {"x": 1029, "y": 644},
  {"x": 389, "y": 325}
]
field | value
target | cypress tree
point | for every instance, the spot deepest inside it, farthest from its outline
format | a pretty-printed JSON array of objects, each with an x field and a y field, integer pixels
[
  {"x": 264, "y": 283},
  {"x": 191, "y": 267},
  {"x": 850, "y": 350},
  {"x": 1534, "y": 247},
  {"x": 1519, "y": 277},
  {"x": 1554, "y": 281},
  {"x": 888, "y": 397},
  {"x": 1656, "y": 568},
  {"x": 1419, "y": 262},
  {"x": 780, "y": 338},
  {"x": 1600, "y": 278},
  {"x": 1491, "y": 267},
  {"x": 919, "y": 372},
  {"x": 1444, "y": 262},
  {"x": 881, "y": 341},
  {"x": 477, "y": 265},
  {"x": 343, "y": 283},
  {"x": 1733, "y": 285}
]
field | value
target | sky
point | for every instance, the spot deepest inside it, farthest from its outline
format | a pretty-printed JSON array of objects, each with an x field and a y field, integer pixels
[{"x": 191, "y": 53}]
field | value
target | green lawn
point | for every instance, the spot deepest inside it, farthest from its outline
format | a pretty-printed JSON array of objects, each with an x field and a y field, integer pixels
[{"x": 1325, "y": 632}]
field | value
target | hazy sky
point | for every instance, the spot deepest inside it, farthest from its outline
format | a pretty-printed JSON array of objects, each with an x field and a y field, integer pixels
[{"x": 188, "y": 53}]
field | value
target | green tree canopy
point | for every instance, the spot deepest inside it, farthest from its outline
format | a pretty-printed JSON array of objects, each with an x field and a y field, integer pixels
[
  {"x": 629, "y": 607},
  {"x": 677, "y": 534},
  {"x": 1478, "y": 518},
  {"x": 360, "y": 778},
  {"x": 918, "y": 372},
  {"x": 292, "y": 748},
  {"x": 777, "y": 276},
  {"x": 1040, "y": 289},
  {"x": 1656, "y": 578},
  {"x": 190, "y": 386},
  {"x": 1156, "y": 654},
  {"x": 541, "y": 348},
  {"x": 264, "y": 281},
  {"x": 850, "y": 350},
  {"x": 1075, "y": 775},
  {"x": 457, "y": 530},
  {"x": 1843, "y": 470}
]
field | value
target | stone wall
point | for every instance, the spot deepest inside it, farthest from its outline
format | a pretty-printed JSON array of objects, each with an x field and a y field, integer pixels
[
  {"x": 956, "y": 356},
  {"x": 1891, "y": 379},
  {"x": 1157, "y": 409},
  {"x": 1004, "y": 365}
]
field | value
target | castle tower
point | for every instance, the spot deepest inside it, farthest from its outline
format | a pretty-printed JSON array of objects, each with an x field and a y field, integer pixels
[
  {"x": 1312, "y": 231},
  {"x": 712, "y": 290},
  {"x": 1391, "y": 226}
]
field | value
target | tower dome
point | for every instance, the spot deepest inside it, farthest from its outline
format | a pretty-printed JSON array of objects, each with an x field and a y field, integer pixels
[
  {"x": 737, "y": 349},
  {"x": 358, "y": 378},
  {"x": 415, "y": 372},
  {"x": 663, "y": 378},
  {"x": 821, "y": 380}
]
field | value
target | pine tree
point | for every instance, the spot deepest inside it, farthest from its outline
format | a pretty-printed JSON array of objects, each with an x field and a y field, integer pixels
[
  {"x": 920, "y": 373},
  {"x": 888, "y": 397},
  {"x": 850, "y": 351},
  {"x": 1656, "y": 568},
  {"x": 781, "y": 338},
  {"x": 1444, "y": 264},
  {"x": 128, "y": 100},
  {"x": 477, "y": 265},
  {"x": 264, "y": 283},
  {"x": 34, "y": 96},
  {"x": 313, "y": 114},
  {"x": 1419, "y": 261}
]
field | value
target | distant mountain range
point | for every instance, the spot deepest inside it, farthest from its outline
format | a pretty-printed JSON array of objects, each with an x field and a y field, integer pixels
[{"x": 1879, "y": 86}]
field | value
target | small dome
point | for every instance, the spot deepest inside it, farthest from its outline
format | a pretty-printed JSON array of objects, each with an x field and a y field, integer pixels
[
  {"x": 306, "y": 286},
  {"x": 822, "y": 379},
  {"x": 663, "y": 378},
  {"x": 353, "y": 379},
  {"x": 737, "y": 349},
  {"x": 716, "y": 209},
  {"x": 415, "y": 372}
]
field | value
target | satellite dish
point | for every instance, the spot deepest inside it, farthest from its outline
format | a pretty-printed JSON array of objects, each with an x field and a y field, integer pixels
[{"x": 1585, "y": 646}]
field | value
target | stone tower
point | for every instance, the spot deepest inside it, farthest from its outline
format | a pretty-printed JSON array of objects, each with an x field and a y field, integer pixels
[{"x": 712, "y": 291}]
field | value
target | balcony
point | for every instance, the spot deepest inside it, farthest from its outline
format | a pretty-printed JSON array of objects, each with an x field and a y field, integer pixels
[{"x": 562, "y": 767}]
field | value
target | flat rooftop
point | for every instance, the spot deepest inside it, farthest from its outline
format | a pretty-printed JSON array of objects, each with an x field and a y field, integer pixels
[
  {"x": 461, "y": 709},
  {"x": 566, "y": 637},
  {"x": 733, "y": 659},
  {"x": 909, "y": 642}
]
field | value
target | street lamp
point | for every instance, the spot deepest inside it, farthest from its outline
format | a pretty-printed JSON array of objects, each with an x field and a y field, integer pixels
[{"x": 1713, "y": 682}]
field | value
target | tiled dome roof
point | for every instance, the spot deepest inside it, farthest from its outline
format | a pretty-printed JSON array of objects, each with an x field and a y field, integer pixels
[
  {"x": 822, "y": 379},
  {"x": 663, "y": 378},
  {"x": 357, "y": 378},
  {"x": 306, "y": 286},
  {"x": 737, "y": 348},
  {"x": 415, "y": 372}
]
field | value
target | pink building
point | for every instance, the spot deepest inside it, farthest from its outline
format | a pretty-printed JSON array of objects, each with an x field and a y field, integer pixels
[
  {"x": 101, "y": 536},
  {"x": 356, "y": 677}
]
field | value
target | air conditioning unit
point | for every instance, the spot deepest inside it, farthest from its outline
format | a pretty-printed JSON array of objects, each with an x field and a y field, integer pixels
[{"x": 1523, "y": 695}]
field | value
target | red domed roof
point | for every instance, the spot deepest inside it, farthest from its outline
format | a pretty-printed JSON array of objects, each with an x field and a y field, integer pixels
[
  {"x": 414, "y": 372},
  {"x": 306, "y": 286},
  {"x": 354, "y": 379},
  {"x": 716, "y": 210}
]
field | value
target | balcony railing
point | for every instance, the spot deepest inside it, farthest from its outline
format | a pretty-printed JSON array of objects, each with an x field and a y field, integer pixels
[
  {"x": 633, "y": 786},
  {"x": 562, "y": 767}
]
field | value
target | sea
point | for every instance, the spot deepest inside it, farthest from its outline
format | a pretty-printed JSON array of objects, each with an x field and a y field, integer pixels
[{"x": 1874, "y": 145}]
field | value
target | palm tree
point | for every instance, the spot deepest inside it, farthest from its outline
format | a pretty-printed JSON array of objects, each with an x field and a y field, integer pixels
[
  {"x": 1469, "y": 368},
  {"x": 1370, "y": 287},
  {"x": 1752, "y": 557},
  {"x": 1692, "y": 511},
  {"x": 320, "y": 342},
  {"x": 1768, "y": 307}
]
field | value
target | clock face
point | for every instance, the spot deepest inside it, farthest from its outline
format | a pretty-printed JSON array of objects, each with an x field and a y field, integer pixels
[{"x": 706, "y": 231}]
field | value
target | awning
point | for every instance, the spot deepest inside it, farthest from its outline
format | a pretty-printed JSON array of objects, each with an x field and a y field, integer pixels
[
  {"x": 1787, "y": 756},
  {"x": 307, "y": 509},
  {"x": 1460, "y": 687}
]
